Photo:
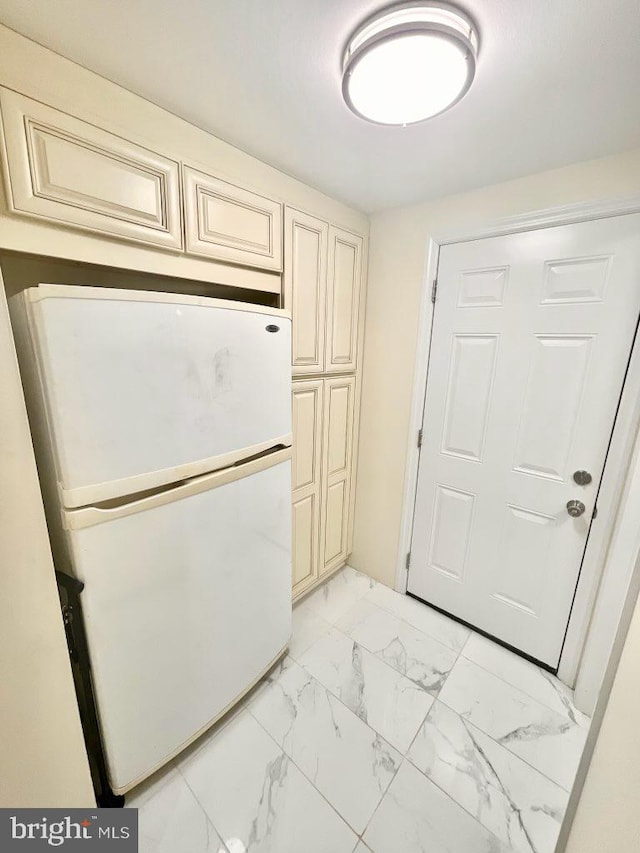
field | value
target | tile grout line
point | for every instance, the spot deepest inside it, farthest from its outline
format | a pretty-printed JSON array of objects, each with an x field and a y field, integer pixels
[
  {"x": 466, "y": 723},
  {"x": 376, "y": 733},
  {"x": 456, "y": 652},
  {"x": 382, "y": 661},
  {"x": 206, "y": 813},
  {"x": 366, "y": 722},
  {"x": 519, "y": 689},
  {"x": 464, "y": 808},
  {"x": 491, "y": 737},
  {"x": 431, "y": 610},
  {"x": 460, "y": 806},
  {"x": 310, "y": 781},
  {"x": 442, "y": 791},
  {"x": 434, "y": 696},
  {"x": 404, "y": 755},
  {"x": 246, "y": 708},
  {"x": 459, "y": 653}
]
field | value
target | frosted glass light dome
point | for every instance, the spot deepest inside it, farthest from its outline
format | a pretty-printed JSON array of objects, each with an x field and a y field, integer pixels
[{"x": 409, "y": 63}]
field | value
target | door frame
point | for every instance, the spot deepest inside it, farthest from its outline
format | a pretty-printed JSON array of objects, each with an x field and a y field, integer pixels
[{"x": 627, "y": 426}]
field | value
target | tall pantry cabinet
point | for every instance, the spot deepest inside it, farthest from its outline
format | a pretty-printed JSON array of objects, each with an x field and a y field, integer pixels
[{"x": 323, "y": 286}]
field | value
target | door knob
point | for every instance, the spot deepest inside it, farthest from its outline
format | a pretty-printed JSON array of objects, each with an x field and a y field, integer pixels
[
  {"x": 582, "y": 478},
  {"x": 575, "y": 508}
]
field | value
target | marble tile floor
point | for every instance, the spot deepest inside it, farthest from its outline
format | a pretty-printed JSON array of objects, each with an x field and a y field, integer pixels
[{"x": 388, "y": 728}]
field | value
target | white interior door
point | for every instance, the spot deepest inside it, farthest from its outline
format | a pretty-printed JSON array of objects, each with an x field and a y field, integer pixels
[{"x": 532, "y": 334}]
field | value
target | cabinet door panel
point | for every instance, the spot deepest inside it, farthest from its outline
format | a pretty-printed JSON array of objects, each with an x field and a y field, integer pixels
[
  {"x": 343, "y": 300},
  {"x": 339, "y": 397},
  {"x": 66, "y": 170},
  {"x": 335, "y": 539},
  {"x": 307, "y": 401},
  {"x": 340, "y": 426},
  {"x": 305, "y": 279},
  {"x": 307, "y": 433},
  {"x": 229, "y": 223},
  {"x": 305, "y": 541}
]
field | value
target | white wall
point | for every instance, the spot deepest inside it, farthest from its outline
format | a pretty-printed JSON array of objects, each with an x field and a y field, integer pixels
[
  {"x": 43, "y": 760},
  {"x": 607, "y": 819},
  {"x": 397, "y": 260}
]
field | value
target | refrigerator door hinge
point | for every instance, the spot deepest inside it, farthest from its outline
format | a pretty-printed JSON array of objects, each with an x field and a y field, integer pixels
[
  {"x": 434, "y": 289},
  {"x": 420, "y": 433},
  {"x": 407, "y": 562}
]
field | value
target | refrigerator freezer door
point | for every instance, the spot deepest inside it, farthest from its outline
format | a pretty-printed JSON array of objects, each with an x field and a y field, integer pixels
[
  {"x": 187, "y": 602},
  {"x": 142, "y": 390}
]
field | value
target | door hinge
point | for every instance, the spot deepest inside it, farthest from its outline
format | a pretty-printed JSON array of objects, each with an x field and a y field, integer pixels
[
  {"x": 420, "y": 432},
  {"x": 434, "y": 289},
  {"x": 407, "y": 562},
  {"x": 595, "y": 513}
]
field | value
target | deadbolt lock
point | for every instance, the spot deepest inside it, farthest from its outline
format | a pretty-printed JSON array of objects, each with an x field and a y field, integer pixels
[
  {"x": 575, "y": 508},
  {"x": 582, "y": 478}
]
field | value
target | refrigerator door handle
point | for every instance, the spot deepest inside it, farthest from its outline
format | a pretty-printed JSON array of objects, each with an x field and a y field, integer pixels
[
  {"x": 99, "y": 492},
  {"x": 76, "y": 519}
]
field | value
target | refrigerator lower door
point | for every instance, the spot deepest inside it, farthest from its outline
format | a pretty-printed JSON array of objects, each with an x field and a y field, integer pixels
[
  {"x": 144, "y": 389},
  {"x": 187, "y": 602}
]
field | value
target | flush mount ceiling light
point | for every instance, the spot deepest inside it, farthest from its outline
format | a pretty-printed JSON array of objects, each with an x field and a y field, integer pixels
[{"x": 409, "y": 63}]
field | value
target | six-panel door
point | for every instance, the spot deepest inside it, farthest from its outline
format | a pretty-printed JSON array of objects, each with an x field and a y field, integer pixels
[
  {"x": 339, "y": 402},
  {"x": 305, "y": 282},
  {"x": 307, "y": 405},
  {"x": 531, "y": 339}
]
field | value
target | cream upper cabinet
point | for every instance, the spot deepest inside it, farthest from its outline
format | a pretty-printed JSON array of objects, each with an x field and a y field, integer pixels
[
  {"x": 343, "y": 300},
  {"x": 66, "y": 170},
  {"x": 305, "y": 283},
  {"x": 339, "y": 408},
  {"x": 231, "y": 224},
  {"x": 306, "y": 481}
]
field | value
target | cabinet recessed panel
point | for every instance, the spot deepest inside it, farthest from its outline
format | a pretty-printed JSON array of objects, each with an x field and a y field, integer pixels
[
  {"x": 335, "y": 521},
  {"x": 482, "y": 288},
  {"x": 551, "y": 405},
  {"x": 70, "y": 170},
  {"x": 523, "y": 559},
  {"x": 343, "y": 337},
  {"x": 451, "y": 531},
  {"x": 305, "y": 436},
  {"x": 227, "y": 222},
  {"x": 345, "y": 266},
  {"x": 576, "y": 280},
  {"x": 305, "y": 281},
  {"x": 469, "y": 395},
  {"x": 304, "y": 521},
  {"x": 231, "y": 223},
  {"x": 307, "y": 263},
  {"x": 340, "y": 414}
]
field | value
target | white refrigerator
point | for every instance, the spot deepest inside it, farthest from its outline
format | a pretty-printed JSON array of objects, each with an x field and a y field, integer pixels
[{"x": 162, "y": 429}]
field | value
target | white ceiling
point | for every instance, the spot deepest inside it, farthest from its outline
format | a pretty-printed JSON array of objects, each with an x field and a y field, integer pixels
[{"x": 558, "y": 81}]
